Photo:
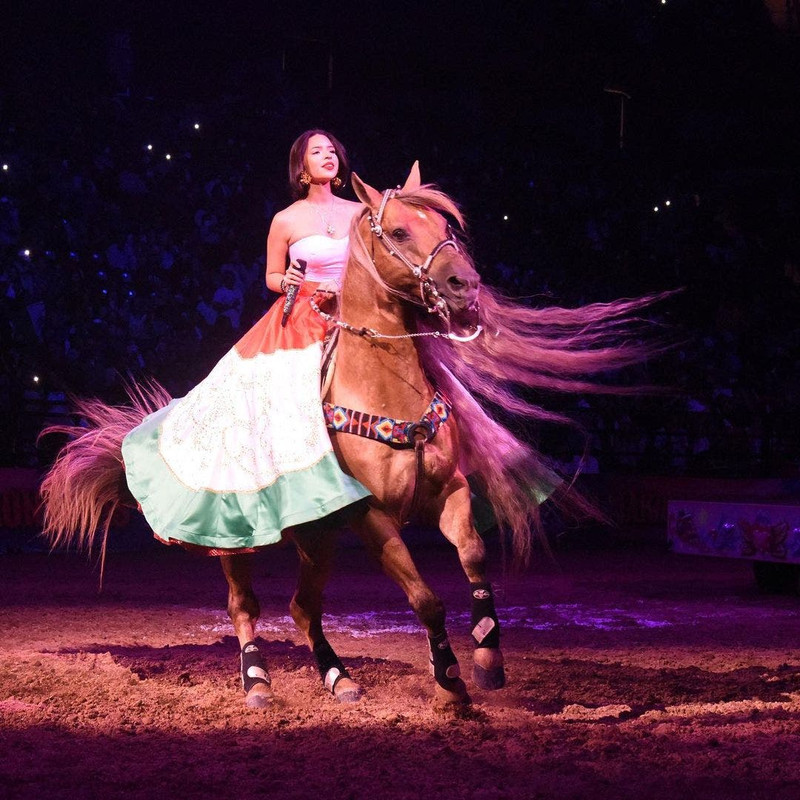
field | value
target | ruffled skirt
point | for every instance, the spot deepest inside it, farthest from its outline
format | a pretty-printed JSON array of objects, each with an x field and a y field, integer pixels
[{"x": 246, "y": 453}]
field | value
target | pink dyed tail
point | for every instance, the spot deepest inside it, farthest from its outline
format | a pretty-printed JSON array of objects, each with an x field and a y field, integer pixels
[{"x": 86, "y": 483}]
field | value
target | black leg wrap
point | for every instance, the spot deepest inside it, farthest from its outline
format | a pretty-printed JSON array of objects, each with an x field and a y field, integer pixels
[
  {"x": 331, "y": 669},
  {"x": 254, "y": 671},
  {"x": 485, "y": 625},
  {"x": 444, "y": 664}
]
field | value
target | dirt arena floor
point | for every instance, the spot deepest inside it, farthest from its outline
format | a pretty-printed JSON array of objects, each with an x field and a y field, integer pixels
[{"x": 632, "y": 673}]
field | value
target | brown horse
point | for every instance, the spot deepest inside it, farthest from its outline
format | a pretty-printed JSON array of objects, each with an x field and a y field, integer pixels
[
  {"x": 416, "y": 265},
  {"x": 421, "y": 345},
  {"x": 417, "y": 325}
]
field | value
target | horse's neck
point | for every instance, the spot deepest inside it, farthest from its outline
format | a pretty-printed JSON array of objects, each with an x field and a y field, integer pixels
[{"x": 383, "y": 375}]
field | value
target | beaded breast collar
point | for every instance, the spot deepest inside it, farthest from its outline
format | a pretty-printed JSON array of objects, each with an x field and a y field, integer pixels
[{"x": 399, "y": 432}]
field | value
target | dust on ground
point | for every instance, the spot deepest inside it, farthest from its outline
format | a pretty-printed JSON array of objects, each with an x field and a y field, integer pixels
[{"x": 632, "y": 673}]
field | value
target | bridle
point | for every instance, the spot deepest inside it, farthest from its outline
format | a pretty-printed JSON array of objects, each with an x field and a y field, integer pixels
[
  {"x": 429, "y": 294},
  {"x": 415, "y": 434}
]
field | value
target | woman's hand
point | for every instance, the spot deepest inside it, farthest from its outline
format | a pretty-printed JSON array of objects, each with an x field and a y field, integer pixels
[{"x": 293, "y": 275}]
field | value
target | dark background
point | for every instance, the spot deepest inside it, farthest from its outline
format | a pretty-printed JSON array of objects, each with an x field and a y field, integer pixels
[{"x": 513, "y": 108}]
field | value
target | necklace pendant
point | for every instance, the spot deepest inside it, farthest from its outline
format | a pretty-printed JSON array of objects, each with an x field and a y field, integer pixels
[{"x": 330, "y": 230}]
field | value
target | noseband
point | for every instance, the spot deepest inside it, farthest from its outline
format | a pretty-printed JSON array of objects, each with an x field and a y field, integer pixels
[{"x": 429, "y": 294}]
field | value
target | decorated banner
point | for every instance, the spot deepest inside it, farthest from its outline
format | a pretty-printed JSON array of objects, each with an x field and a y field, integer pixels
[{"x": 758, "y": 531}]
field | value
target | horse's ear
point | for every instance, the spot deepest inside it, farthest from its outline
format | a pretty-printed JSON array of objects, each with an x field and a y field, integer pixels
[
  {"x": 365, "y": 193},
  {"x": 413, "y": 180}
]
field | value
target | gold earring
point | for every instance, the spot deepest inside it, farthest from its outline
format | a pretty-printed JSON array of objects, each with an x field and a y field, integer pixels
[
  {"x": 336, "y": 182},
  {"x": 305, "y": 178}
]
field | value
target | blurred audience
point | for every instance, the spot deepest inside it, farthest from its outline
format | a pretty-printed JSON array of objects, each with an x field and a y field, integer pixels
[{"x": 121, "y": 257}]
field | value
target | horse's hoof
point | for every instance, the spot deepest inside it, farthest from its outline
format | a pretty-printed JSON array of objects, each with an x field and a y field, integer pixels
[
  {"x": 487, "y": 669},
  {"x": 260, "y": 696},
  {"x": 455, "y": 695},
  {"x": 349, "y": 695},
  {"x": 344, "y": 688},
  {"x": 341, "y": 685},
  {"x": 494, "y": 678}
]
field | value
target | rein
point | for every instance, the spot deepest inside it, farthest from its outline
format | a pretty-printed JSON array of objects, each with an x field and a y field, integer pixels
[{"x": 371, "y": 333}]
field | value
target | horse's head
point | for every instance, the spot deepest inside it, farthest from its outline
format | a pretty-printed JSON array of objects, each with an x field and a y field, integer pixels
[{"x": 415, "y": 250}]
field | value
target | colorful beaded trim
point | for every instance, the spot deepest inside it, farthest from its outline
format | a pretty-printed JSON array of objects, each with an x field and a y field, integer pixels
[{"x": 385, "y": 429}]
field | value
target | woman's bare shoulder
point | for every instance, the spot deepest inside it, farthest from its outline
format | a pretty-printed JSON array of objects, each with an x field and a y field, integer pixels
[{"x": 286, "y": 217}]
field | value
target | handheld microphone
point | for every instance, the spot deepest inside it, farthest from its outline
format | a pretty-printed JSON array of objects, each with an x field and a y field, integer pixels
[{"x": 291, "y": 295}]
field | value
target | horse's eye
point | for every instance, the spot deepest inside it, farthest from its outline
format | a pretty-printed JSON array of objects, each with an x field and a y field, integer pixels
[{"x": 399, "y": 234}]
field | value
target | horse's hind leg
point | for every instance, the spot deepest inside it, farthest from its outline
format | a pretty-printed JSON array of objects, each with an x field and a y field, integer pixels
[
  {"x": 243, "y": 609},
  {"x": 456, "y": 524},
  {"x": 381, "y": 535},
  {"x": 315, "y": 547}
]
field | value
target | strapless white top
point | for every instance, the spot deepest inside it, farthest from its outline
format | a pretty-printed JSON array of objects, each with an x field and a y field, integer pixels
[{"x": 325, "y": 257}]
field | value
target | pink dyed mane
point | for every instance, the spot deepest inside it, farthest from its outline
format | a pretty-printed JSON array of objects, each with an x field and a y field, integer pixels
[{"x": 546, "y": 349}]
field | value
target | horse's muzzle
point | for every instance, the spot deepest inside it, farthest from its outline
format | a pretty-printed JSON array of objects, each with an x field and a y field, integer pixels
[
  {"x": 464, "y": 307},
  {"x": 459, "y": 287}
]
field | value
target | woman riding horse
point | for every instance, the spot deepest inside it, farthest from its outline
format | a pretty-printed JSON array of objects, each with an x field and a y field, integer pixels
[
  {"x": 422, "y": 345},
  {"x": 245, "y": 455}
]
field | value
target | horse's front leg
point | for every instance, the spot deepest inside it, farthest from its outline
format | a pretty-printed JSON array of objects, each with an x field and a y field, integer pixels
[
  {"x": 455, "y": 522},
  {"x": 244, "y": 610},
  {"x": 381, "y": 536},
  {"x": 315, "y": 546}
]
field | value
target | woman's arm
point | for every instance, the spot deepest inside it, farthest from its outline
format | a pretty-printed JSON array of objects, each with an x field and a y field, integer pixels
[{"x": 278, "y": 276}]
